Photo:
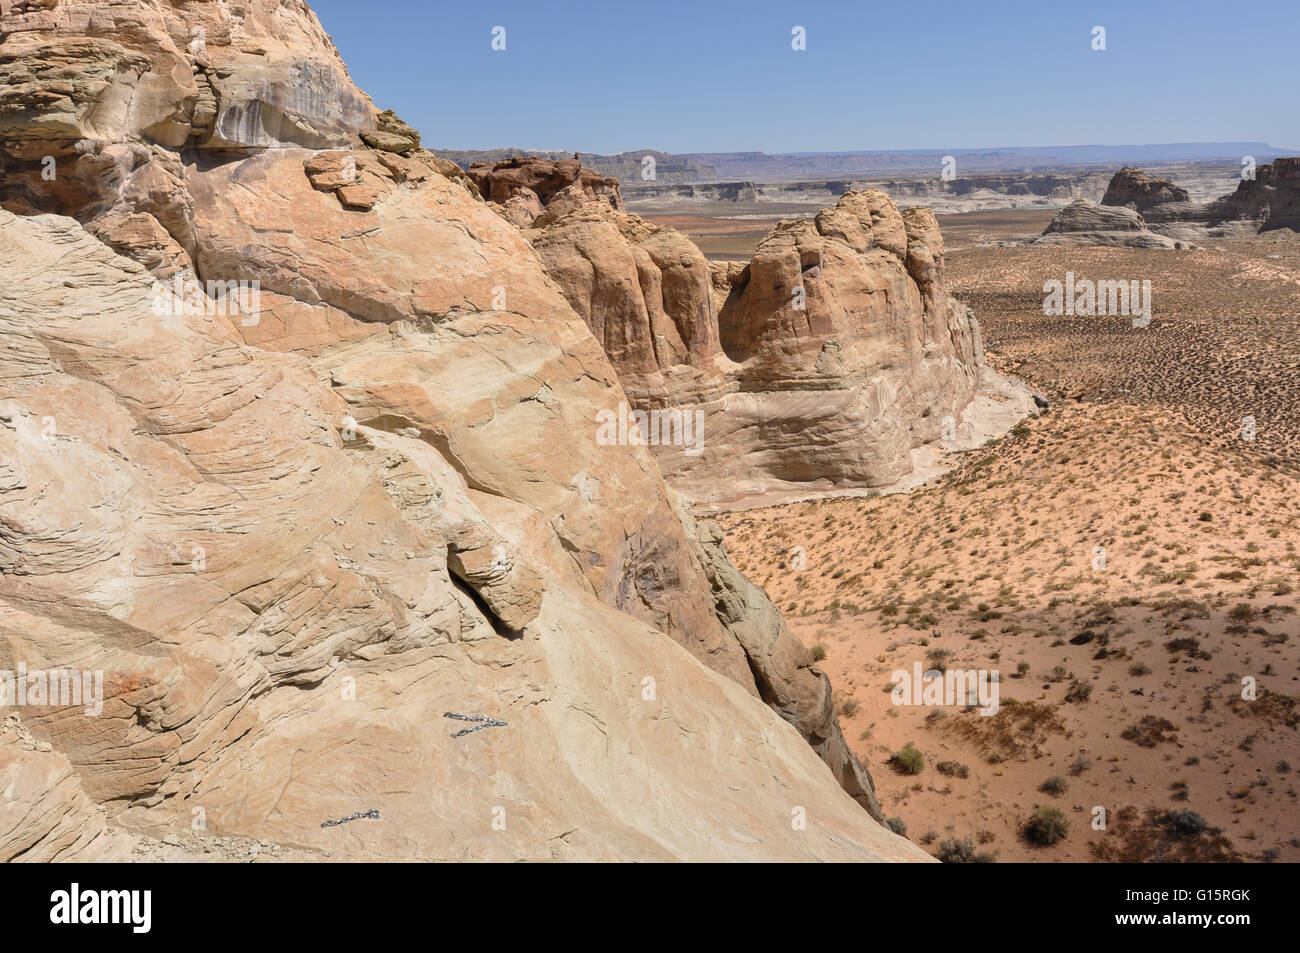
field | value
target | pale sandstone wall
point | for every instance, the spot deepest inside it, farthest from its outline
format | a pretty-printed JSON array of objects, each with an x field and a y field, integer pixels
[{"x": 384, "y": 483}]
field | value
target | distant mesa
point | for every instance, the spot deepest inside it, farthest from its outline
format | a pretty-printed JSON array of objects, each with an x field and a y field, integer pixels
[
  {"x": 693, "y": 168},
  {"x": 1143, "y": 211}
]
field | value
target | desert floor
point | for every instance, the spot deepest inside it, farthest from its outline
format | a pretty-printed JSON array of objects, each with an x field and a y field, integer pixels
[{"x": 1123, "y": 562}]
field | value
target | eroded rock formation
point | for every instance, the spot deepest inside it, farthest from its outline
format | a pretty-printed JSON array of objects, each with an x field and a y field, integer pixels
[
  {"x": 543, "y": 178},
  {"x": 821, "y": 363},
  {"x": 1267, "y": 202},
  {"x": 1086, "y": 223},
  {"x": 293, "y": 532},
  {"x": 1136, "y": 189}
]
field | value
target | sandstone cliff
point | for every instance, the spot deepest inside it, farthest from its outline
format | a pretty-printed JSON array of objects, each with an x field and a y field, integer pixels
[
  {"x": 292, "y": 535},
  {"x": 822, "y": 363}
]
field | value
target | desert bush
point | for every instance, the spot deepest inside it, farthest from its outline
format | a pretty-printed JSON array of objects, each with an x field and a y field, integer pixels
[
  {"x": 938, "y": 659},
  {"x": 1055, "y": 786},
  {"x": 1187, "y": 823},
  {"x": 909, "y": 760},
  {"x": 1047, "y": 826},
  {"x": 1149, "y": 732},
  {"x": 1079, "y": 691},
  {"x": 1242, "y": 612},
  {"x": 961, "y": 852}
]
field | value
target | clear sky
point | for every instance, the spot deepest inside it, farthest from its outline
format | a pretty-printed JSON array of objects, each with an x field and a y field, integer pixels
[{"x": 720, "y": 75}]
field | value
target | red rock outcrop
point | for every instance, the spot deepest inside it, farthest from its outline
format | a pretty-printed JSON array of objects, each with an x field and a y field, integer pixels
[
  {"x": 292, "y": 531},
  {"x": 646, "y": 293},
  {"x": 501, "y": 181}
]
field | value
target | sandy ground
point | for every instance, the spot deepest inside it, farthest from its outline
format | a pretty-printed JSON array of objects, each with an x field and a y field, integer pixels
[
  {"x": 1123, "y": 562},
  {"x": 1223, "y": 343},
  {"x": 993, "y": 568}
]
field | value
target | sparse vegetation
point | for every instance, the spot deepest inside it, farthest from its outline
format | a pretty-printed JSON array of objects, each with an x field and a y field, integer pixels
[
  {"x": 962, "y": 852},
  {"x": 1047, "y": 826},
  {"x": 908, "y": 760},
  {"x": 1055, "y": 786},
  {"x": 1150, "y": 731}
]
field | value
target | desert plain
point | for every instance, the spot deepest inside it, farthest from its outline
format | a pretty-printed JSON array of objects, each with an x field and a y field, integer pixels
[{"x": 1122, "y": 561}]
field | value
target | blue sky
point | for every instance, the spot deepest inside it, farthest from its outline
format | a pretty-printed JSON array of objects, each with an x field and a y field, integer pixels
[{"x": 721, "y": 76}]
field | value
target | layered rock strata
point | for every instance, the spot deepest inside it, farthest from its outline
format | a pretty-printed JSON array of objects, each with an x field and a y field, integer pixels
[
  {"x": 294, "y": 525},
  {"x": 821, "y": 363}
]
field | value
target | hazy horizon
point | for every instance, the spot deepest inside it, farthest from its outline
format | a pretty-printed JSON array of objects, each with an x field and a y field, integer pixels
[{"x": 905, "y": 150}]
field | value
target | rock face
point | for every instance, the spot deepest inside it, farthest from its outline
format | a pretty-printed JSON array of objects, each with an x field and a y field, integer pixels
[
  {"x": 646, "y": 293},
  {"x": 821, "y": 363},
  {"x": 176, "y": 74},
  {"x": 1135, "y": 189},
  {"x": 502, "y": 181},
  {"x": 1271, "y": 200},
  {"x": 292, "y": 528},
  {"x": 1086, "y": 223}
]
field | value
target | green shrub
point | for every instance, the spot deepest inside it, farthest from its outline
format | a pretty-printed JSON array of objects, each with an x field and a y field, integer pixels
[
  {"x": 909, "y": 760},
  {"x": 1079, "y": 691},
  {"x": 1055, "y": 786},
  {"x": 1047, "y": 826},
  {"x": 961, "y": 852}
]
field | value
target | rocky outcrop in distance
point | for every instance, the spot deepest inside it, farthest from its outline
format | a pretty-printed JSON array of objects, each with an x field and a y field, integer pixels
[
  {"x": 1135, "y": 189},
  {"x": 293, "y": 532},
  {"x": 630, "y": 168},
  {"x": 1168, "y": 219},
  {"x": 963, "y": 193},
  {"x": 541, "y": 179},
  {"x": 1087, "y": 223}
]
